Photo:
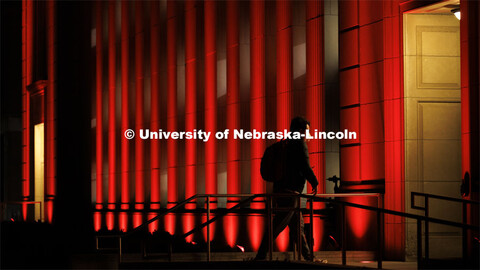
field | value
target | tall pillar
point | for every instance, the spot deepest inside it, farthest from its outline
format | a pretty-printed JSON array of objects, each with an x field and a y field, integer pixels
[
  {"x": 172, "y": 148},
  {"x": 361, "y": 110},
  {"x": 233, "y": 115},
  {"x": 210, "y": 17},
  {"x": 155, "y": 112},
  {"x": 139, "y": 111},
  {"x": 111, "y": 114},
  {"x": 315, "y": 99},
  {"x": 125, "y": 143},
  {"x": 27, "y": 79},
  {"x": 99, "y": 114},
  {"x": 50, "y": 119},
  {"x": 190, "y": 109},
  {"x": 210, "y": 96},
  {"x": 284, "y": 63},
  {"x": 470, "y": 71},
  {"x": 257, "y": 111},
  {"x": 190, "y": 99},
  {"x": 393, "y": 121}
]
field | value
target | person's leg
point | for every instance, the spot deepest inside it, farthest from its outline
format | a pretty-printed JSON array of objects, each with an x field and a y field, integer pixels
[
  {"x": 293, "y": 225},
  {"x": 280, "y": 221}
]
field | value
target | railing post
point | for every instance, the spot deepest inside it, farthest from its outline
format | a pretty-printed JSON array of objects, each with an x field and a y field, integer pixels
[
  {"x": 464, "y": 232},
  {"x": 311, "y": 230},
  {"x": 170, "y": 249},
  {"x": 344, "y": 236},
  {"x": 120, "y": 249},
  {"x": 208, "y": 228},
  {"x": 41, "y": 212},
  {"x": 299, "y": 235},
  {"x": 270, "y": 229},
  {"x": 427, "y": 238},
  {"x": 144, "y": 248},
  {"x": 419, "y": 243},
  {"x": 380, "y": 239}
]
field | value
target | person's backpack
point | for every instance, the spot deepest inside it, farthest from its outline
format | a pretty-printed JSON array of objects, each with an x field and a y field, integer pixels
[{"x": 272, "y": 166}]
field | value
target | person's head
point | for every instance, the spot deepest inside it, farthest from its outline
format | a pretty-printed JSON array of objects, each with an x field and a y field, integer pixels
[{"x": 299, "y": 124}]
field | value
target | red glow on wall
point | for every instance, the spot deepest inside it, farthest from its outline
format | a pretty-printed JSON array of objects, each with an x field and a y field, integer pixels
[
  {"x": 210, "y": 96},
  {"x": 359, "y": 220},
  {"x": 257, "y": 94},
  {"x": 110, "y": 220},
  {"x": 315, "y": 96},
  {"x": 152, "y": 227},
  {"x": 123, "y": 220},
  {"x": 50, "y": 147},
  {"x": 188, "y": 223},
  {"x": 283, "y": 240},
  {"x": 137, "y": 218},
  {"x": 171, "y": 108},
  {"x": 98, "y": 113},
  {"x": 139, "y": 111},
  {"x": 233, "y": 117},
  {"x": 255, "y": 230},
  {"x": 318, "y": 231},
  {"x": 111, "y": 114},
  {"x": 230, "y": 228},
  {"x": 49, "y": 211},
  {"x": 170, "y": 222},
  {"x": 27, "y": 55},
  {"x": 190, "y": 98},
  {"x": 212, "y": 227},
  {"x": 284, "y": 63},
  {"x": 125, "y": 144},
  {"x": 97, "y": 221},
  {"x": 155, "y": 111}
]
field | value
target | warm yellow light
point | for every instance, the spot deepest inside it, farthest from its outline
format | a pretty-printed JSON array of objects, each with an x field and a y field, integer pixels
[
  {"x": 39, "y": 141},
  {"x": 456, "y": 12}
]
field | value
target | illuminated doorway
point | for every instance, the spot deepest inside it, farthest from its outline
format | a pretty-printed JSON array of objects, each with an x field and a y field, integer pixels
[
  {"x": 433, "y": 122},
  {"x": 39, "y": 171},
  {"x": 37, "y": 151}
]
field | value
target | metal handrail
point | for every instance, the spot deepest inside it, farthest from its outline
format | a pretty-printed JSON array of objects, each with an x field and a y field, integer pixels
[
  {"x": 4, "y": 205},
  {"x": 425, "y": 209},
  {"x": 311, "y": 198}
]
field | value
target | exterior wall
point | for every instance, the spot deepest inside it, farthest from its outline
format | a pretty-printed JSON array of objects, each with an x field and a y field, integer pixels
[
  {"x": 370, "y": 102},
  {"x": 177, "y": 66}
]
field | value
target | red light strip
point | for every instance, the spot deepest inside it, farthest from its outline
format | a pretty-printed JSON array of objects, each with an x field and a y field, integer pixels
[
  {"x": 99, "y": 115},
  {"x": 27, "y": 51},
  {"x": 111, "y": 113},
  {"x": 315, "y": 96},
  {"x": 284, "y": 63},
  {"x": 210, "y": 97},
  {"x": 125, "y": 144},
  {"x": 155, "y": 112},
  {"x": 257, "y": 112},
  {"x": 233, "y": 96},
  {"x": 50, "y": 147},
  {"x": 233, "y": 116},
  {"x": 139, "y": 110},
  {"x": 190, "y": 99},
  {"x": 171, "y": 110},
  {"x": 257, "y": 92}
]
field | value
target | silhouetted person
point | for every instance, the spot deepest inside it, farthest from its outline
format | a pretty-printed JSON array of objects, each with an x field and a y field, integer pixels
[{"x": 296, "y": 172}]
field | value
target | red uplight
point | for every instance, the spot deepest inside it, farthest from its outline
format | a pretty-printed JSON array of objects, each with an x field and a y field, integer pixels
[{"x": 241, "y": 248}]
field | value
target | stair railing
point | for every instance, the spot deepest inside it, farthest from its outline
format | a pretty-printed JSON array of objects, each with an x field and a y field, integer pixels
[{"x": 425, "y": 209}]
